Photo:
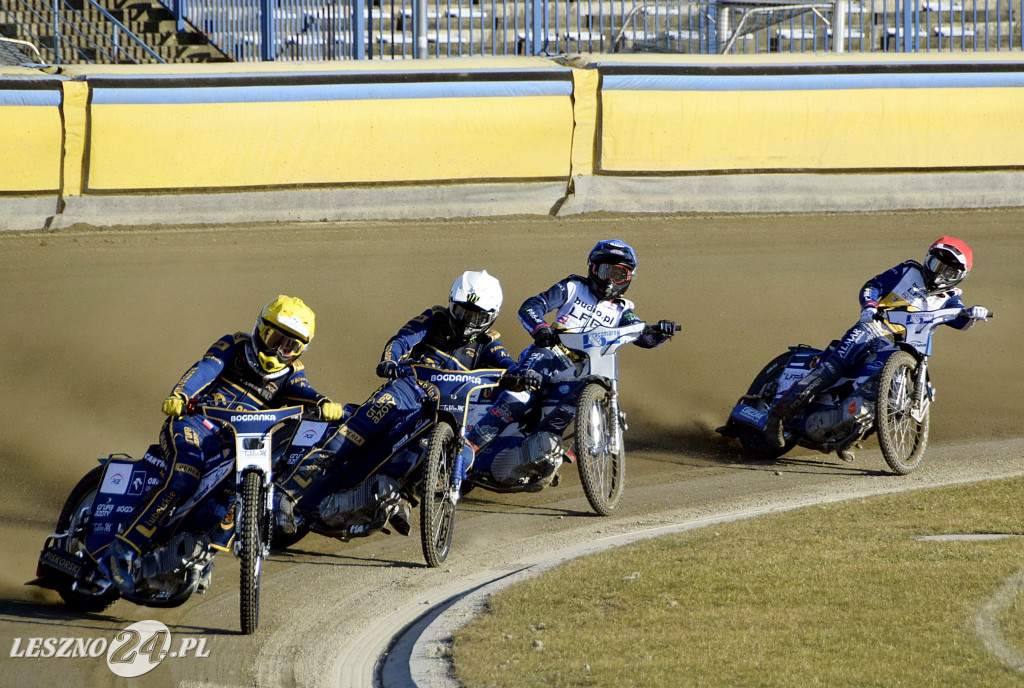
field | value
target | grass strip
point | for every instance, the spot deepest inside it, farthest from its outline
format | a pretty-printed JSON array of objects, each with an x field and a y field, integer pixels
[{"x": 835, "y": 595}]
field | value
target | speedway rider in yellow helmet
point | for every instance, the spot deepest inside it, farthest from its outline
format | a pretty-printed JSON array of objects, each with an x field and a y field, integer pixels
[{"x": 240, "y": 371}]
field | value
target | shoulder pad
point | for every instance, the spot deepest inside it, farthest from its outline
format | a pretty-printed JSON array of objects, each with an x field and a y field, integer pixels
[
  {"x": 298, "y": 367},
  {"x": 626, "y": 303},
  {"x": 241, "y": 336}
]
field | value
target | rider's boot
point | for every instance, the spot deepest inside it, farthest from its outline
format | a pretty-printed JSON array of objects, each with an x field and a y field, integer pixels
[
  {"x": 285, "y": 513},
  {"x": 205, "y": 579},
  {"x": 121, "y": 562},
  {"x": 400, "y": 519}
]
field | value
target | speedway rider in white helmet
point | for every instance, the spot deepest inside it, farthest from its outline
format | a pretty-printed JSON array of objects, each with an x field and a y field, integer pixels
[{"x": 457, "y": 337}]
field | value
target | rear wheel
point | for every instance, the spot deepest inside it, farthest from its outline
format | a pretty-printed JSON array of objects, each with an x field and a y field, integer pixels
[
  {"x": 900, "y": 436},
  {"x": 760, "y": 395},
  {"x": 601, "y": 462},
  {"x": 437, "y": 510},
  {"x": 253, "y": 518},
  {"x": 74, "y": 519}
]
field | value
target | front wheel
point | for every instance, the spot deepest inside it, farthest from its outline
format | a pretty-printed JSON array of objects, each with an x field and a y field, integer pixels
[
  {"x": 437, "y": 510},
  {"x": 601, "y": 457},
  {"x": 73, "y": 520},
  {"x": 900, "y": 436},
  {"x": 253, "y": 518}
]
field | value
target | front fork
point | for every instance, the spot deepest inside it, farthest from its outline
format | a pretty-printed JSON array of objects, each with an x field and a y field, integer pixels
[
  {"x": 463, "y": 462},
  {"x": 618, "y": 419},
  {"x": 922, "y": 394}
]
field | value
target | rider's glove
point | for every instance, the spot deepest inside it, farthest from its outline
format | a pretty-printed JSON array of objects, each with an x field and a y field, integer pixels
[
  {"x": 977, "y": 313},
  {"x": 544, "y": 337},
  {"x": 174, "y": 405},
  {"x": 666, "y": 328},
  {"x": 387, "y": 369},
  {"x": 330, "y": 410},
  {"x": 528, "y": 380},
  {"x": 868, "y": 314}
]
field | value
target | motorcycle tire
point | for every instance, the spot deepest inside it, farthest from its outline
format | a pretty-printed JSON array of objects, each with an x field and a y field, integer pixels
[
  {"x": 75, "y": 508},
  {"x": 602, "y": 468},
  {"x": 763, "y": 388},
  {"x": 253, "y": 518},
  {"x": 437, "y": 508},
  {"x": 902, "y": 439}
]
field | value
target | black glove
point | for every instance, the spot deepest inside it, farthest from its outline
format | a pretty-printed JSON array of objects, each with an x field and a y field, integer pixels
[
  {"x": 544, "y": 337},
  {"x": 527, "y": 380},
  {"x": 666, "y": 328},
  {"x": 388, "y": 369}
]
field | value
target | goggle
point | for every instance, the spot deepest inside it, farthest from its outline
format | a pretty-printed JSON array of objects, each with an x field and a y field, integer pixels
[
  {"x": 471, "y": 316},
  {"x": 612, "y": 272},
  {"x": 282, "y": 345},
  {"x": 944, "y": 270}
]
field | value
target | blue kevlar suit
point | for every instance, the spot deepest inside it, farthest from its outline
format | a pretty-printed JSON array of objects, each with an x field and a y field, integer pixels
[
  {"x": 578, "y": 309},
  {"x": 228, "y": 376},
  {"x": 427, "y": 339},
  {"x": 900, "y": 288}
]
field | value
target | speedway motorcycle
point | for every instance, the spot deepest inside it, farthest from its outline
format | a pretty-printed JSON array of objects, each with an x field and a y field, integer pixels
[
  {"x": 423, "y": 462},
  {"x": 889, "y": 393},
  {"x": 512, "y": 461},
  {"x": 230, "y": 511}
]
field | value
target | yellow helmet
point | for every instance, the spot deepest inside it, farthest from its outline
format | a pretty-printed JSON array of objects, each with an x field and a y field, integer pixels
[{"x": 283, "y": 330}]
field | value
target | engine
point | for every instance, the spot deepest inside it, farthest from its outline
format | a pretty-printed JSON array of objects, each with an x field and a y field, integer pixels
[
  {"x": 840, "y": 423},
  {"x": 359, "y": 506},
  {"x": 166, "y": 570},
  {"x": 525, "y": 461}
]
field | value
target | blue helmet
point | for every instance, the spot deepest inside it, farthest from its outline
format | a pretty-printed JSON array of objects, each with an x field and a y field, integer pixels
[{"x": 610, "y": 268}]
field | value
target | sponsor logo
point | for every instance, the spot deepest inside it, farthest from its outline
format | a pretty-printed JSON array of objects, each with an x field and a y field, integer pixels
[
  {"x": 115, "y": 480},
  {"x": 351, "y": 435},
  {"x": 455, "y": 377},
  {"x": 133, "y": 651},
  {"x": 104, "y": 510},
  {"x": 250, "y": 417}
]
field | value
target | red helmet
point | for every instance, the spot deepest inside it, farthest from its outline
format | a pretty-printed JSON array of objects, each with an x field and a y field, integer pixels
[{"x": 948, "y": 262}]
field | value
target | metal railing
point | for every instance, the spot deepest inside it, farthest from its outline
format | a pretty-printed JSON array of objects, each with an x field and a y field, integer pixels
[
  {"x": 314, "y": 30},
  {"x": 399, "y": 29},
  {"x": 61, "y": 33}
]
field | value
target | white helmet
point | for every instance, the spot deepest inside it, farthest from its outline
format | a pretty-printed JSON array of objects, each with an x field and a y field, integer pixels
[{"x": 474, "y": 303}]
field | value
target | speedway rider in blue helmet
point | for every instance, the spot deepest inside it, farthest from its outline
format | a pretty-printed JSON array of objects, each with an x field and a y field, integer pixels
[
  {"x": 456, "y": 337},
  {"x": 909, "y": 286},
  {"x": 580, "y": 303},
  {"x": 250, "y": 371}
]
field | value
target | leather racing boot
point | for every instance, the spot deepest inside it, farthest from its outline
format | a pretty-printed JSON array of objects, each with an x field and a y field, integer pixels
[
  {"x": 285, "y": 514},
  {"x": 400, "y": 519},
  {"x": 121, "y": 562}
]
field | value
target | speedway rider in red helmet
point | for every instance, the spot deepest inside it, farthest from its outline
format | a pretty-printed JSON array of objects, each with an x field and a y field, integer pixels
[{"x": 908, "y": 286}]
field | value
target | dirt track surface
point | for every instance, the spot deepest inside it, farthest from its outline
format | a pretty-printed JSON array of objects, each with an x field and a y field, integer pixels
[{"x": 100, "y": 325}]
